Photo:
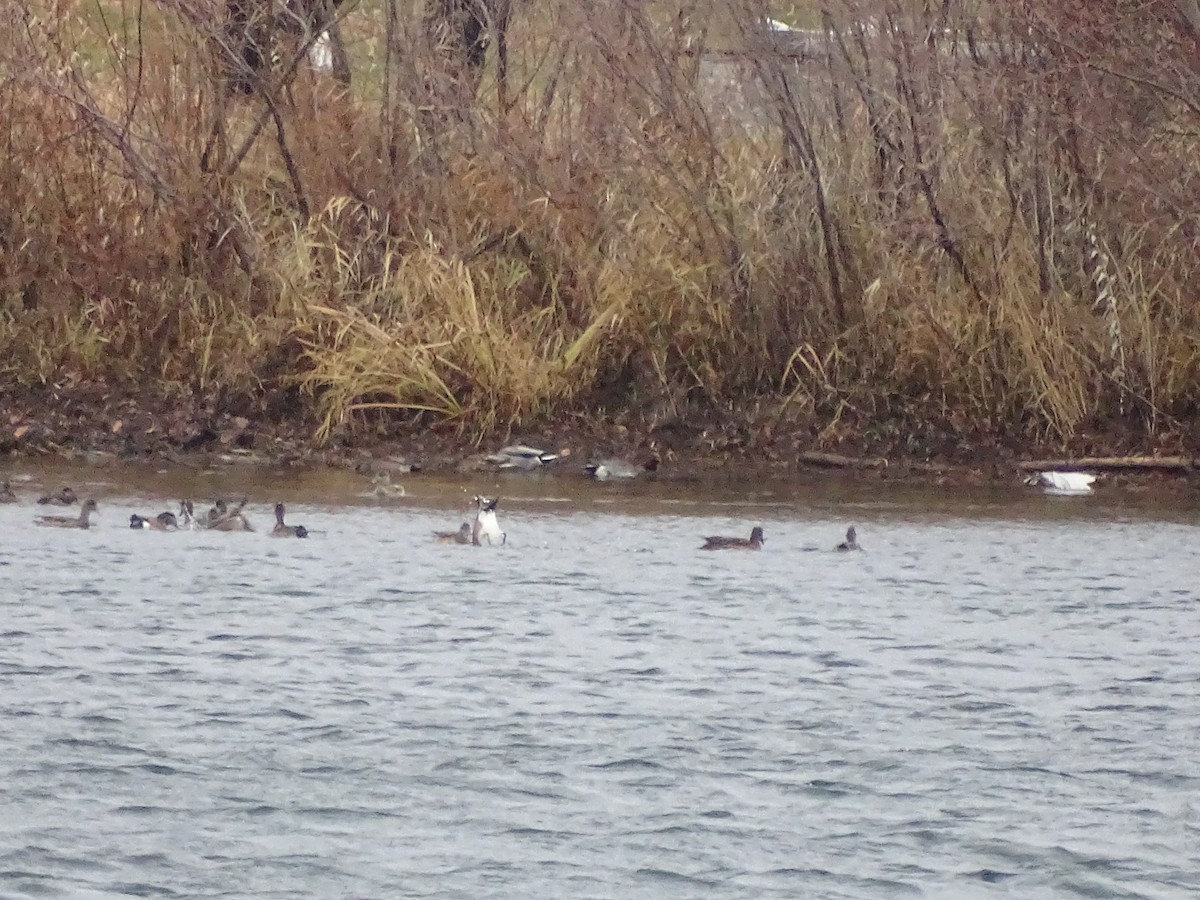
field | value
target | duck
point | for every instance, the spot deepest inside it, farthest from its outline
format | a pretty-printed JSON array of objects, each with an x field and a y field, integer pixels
[
  {"x": 1062, "y": 483},
  {"x": 228, "y": 519},
  {"x": 462, "y": 536},
  {"x": 164, "y": 521},
  {"x": 850, "y": 543},
  {"x": 6, "y": 493},
  {"x": 65, "y": 497},
  {"x": 606, "y": 469},
  {"x": 281, "y": 530},
  {"x": 187, "y": 516},
  {"x": 754, "y": 542},
  {"x": 384, "y": 489},
  {"x": 89, "y": 507},
  {"x": 520, "y": 457},
  {"x": 392, "y": 465},
  {"x": 486, "y": 527}
]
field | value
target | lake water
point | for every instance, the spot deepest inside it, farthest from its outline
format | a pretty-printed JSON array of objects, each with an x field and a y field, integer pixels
[{"x": 998, "y": 697}]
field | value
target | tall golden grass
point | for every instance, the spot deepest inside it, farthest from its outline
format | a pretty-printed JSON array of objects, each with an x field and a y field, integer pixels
[{"x": 674, "y": 213}]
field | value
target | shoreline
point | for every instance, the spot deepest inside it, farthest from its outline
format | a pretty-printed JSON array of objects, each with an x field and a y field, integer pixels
[{"x": 90, "y": 425}]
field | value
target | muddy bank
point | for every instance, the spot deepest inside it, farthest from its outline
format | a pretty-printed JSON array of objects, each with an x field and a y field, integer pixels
[{"x": 91, "y": 422}]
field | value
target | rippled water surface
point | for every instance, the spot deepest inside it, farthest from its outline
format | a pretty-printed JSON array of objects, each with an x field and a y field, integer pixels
[{"x": 998, "y": 697}]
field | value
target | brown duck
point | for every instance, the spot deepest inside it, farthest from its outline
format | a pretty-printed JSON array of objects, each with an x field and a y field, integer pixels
[
  {"x": 65, "y": 497},
  {"x": 754, "y": 542},
  {"x": 89, "y": 506},
  {"x": 462, "y": 536},
  {"x": 281, "y": 530},
  {"x": 850, "y": 543},
  {"x": 222, "y": 519}
]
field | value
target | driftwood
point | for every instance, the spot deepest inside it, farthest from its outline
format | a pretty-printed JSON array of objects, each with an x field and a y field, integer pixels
[
  {"x": 1112, "y": 464},
  {"x": 837, "y": 461},
  {"x": 1181, "y": 464}
]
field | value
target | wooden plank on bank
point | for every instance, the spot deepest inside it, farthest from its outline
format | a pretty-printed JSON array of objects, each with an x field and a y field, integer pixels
[
  {"x": 1112, "y": 464},
  {"x": 838, "y": 461}
]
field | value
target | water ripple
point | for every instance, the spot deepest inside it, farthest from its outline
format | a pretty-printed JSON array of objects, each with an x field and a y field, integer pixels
[{"x": 974, "y": 705}]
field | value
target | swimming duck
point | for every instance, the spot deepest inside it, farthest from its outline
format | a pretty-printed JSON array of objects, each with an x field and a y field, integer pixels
[
  {"x": 486, "y": 527},
  {"x": 221, "y": 518},
  {"x": 850, "y": 543},
  {"x": 65, "y": 497},
  {"x": 462, "y": 536},
  {"x": 754, "y": 542},
  {"x": 1062, "y": 483},
  {"x": 281, "y": 530},
  {"x": 520, "y": 457},
  {"x": 89, "y": 506},
  {"x": 384, "y": 489},
  {"x": 217, "y": 512},
  {"x": 164, "y": 521},
  {"x": 393, "y": 465},
  {"x": 6, "y": 494},
  {"x": 187, "y": 518},
  {"x": 605, "y": 469}
]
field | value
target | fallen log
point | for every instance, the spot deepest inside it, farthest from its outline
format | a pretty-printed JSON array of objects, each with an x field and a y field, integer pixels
[
  {"x": 1112, "y": 464},
  {"x": 838, "y": 461}
]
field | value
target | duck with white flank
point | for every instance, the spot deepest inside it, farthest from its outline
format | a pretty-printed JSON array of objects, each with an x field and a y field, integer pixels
[
  {"x": 520, "y": 458},
  {"x": 1062, "y": 483},
  {"x": 164, "y": 521},
  {"x": 486, "y": 528},
  {"x": 619, "y": 469}
]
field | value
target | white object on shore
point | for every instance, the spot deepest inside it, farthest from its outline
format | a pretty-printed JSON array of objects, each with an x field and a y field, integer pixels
[{"x": 1063, "y": 483}]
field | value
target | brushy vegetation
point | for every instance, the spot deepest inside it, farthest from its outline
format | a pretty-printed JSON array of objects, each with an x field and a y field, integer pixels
[{"x": 917, "y": 212}]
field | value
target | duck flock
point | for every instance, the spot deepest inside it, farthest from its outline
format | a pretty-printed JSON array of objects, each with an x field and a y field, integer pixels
[
  {"x": 221, "y": 517},
  {"x": 482, "y": 530}
]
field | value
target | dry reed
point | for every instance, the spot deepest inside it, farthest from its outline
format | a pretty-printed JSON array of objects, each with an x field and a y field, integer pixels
[{"x": 878, "y": 219}]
